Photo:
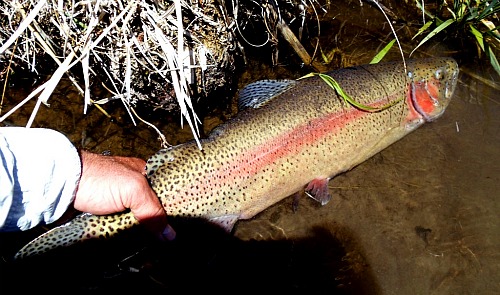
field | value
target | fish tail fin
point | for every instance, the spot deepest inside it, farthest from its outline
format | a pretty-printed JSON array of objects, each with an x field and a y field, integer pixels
[{"x": 83, "y": 227}]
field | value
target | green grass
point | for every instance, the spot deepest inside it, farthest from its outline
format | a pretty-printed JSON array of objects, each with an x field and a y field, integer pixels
[{"x": 477, "y": 19}]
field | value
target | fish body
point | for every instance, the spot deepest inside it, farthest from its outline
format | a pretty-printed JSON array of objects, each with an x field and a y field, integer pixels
[{"x": 291, "y": 135}]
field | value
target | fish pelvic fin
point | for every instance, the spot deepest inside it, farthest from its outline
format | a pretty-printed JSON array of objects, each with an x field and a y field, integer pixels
[
  {"x": 257, "y": 94},
  {"x": 318, "y": 190},
  {"x": 83, "y": 227},
  {"x": 225, "y": 222}
]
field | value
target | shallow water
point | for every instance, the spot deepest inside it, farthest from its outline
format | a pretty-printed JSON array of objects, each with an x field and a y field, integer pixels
[{"x": 421, "y": 217}]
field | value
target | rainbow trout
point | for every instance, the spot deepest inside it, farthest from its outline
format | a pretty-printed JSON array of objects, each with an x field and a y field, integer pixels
[{"x": 291, "y": 135}]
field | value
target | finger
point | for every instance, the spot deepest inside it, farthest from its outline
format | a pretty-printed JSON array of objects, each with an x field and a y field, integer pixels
[{"x": 151, "y": 214}]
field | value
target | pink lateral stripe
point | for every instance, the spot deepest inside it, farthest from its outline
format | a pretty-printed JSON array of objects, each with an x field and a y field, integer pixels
[
  {"x": 257, "y": 158},
  {"x": 292, "y": 142}
]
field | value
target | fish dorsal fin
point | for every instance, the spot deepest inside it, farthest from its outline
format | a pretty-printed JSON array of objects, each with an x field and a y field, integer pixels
[{"x": 257, "y": 94}]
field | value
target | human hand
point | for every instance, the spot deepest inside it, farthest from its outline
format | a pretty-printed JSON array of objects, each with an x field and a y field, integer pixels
[{"x": 111, "y": 184}]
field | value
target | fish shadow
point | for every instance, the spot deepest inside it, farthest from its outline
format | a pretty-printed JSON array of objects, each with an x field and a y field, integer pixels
[{"x": 202, "y": 258}]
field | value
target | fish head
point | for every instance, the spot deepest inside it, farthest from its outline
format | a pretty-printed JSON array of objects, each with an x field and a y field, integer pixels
[{"x": 431, "y": 85}]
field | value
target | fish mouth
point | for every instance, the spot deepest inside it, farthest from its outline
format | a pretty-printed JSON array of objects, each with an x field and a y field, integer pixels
[{"x": 432, "y": 94}]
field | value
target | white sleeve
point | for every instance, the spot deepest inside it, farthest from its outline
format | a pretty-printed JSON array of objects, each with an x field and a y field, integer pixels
[{"x": 38, "y": 180}]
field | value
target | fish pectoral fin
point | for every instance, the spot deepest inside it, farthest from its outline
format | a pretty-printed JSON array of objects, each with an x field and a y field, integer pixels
[
  {"x": 226, "y": 222},
  {"x": 318, "y": 190}
]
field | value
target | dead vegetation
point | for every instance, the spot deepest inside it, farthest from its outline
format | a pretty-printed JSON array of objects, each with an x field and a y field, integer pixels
[{"x": 165, "y": 54}]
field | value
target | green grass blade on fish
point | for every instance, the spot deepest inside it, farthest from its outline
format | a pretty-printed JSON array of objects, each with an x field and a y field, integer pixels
[
  {"x": 433, "y": 33},
  {"x": 347, "y": 98},
  {"x": 377, "y": 58}
]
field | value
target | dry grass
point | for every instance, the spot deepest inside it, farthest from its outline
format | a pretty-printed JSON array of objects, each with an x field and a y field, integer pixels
[
  {"x": 160, "y": 52},
  {"x": 132, "y": 47}
]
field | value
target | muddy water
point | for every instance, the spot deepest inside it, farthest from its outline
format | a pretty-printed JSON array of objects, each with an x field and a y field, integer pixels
[{"x": 421, "y": 217}]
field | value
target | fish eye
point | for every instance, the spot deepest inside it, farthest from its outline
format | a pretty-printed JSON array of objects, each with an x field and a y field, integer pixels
[
  {"x": 410, "y": 75},
  {"x": 439, "y": 74}
]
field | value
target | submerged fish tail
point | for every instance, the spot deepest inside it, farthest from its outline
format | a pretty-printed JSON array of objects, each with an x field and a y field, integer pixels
[{"x": 83, "y": 227}]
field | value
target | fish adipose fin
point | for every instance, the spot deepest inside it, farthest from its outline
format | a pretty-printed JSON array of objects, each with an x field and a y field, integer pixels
[
  {"x": 257, "y": 94},
  {"x": 318, "y": 190}
]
